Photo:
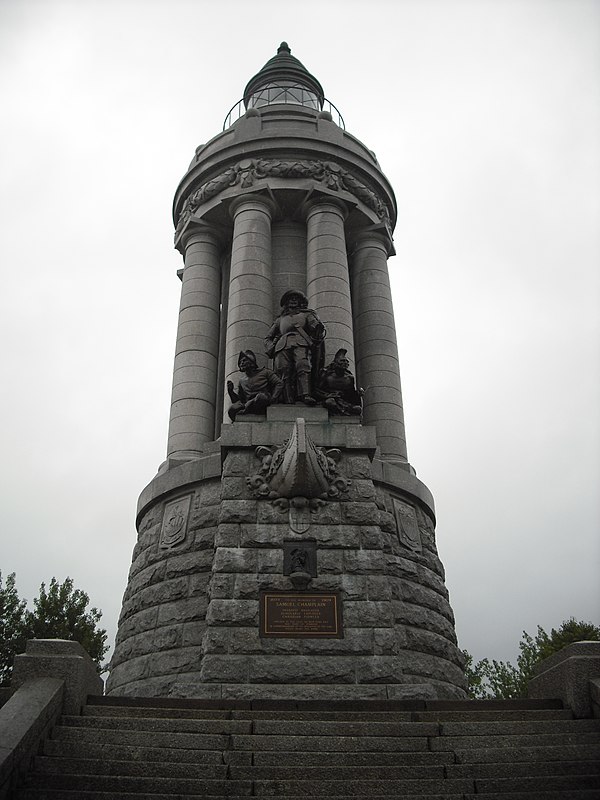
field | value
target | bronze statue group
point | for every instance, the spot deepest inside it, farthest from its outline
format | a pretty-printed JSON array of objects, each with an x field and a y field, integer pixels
[{"x": 296, "y": 343}]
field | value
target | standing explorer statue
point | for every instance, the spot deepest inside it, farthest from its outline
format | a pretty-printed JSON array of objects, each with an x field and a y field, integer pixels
[
  {"x": 296, "y": 345},
  {"x": 256, "y": 391}
]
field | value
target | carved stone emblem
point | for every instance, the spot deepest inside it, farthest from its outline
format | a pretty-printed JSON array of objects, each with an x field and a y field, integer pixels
[
  {"x": 300, "y": 556},
  {"x": 408, "y": 527},
  {"x": 298, "y": 471},
  {"x": 300, "y": 561},
  {"x": 175, "y": 519}
]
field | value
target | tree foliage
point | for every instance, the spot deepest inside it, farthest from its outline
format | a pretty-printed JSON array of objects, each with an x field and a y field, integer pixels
[
  {"x": 62, "y": 613},
  {"x": 13, "y": 626},
  {"x": 489, "y": 679},
  {"x": 59, "y": 612}
]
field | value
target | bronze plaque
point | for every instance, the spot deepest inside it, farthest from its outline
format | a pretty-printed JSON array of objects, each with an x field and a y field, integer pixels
[{"x": 309, "y": 615}]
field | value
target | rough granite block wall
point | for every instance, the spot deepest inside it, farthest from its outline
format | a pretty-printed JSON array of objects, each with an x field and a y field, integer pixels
[{"x": 190, "y": 620}]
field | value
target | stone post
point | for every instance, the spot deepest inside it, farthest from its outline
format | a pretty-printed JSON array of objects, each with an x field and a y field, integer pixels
[
  {"x": 192, "y": 419},
  {"x": 571, "y": 675},
  {"x": 249, "y": 312},
  {"x": 377, "y": 366},
  {"x": 62, "y": 659},
  {"x": 327, "y": 279}
]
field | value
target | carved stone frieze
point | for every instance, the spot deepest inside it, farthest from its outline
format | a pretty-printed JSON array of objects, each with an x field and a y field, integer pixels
[{"x": 246, "y": 173}]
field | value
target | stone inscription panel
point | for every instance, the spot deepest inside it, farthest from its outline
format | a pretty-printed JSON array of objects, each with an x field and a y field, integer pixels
[{"x": 306, "y": 615}]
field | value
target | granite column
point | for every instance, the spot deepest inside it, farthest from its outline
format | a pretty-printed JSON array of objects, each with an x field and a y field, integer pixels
[
  {"x": 192, "y": 417},
  {"x": 327, "y": 279},
  {"x": 249, "y": 313},
  {"x": 377, "y": 366}
]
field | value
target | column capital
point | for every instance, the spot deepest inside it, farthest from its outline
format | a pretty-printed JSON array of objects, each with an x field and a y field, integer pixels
[
  {"x": 374, "y": 236},
  {"x": 252, "y": 200},
  {"x": 316, "y": 204},
  {"x": 198, "y": 231}
]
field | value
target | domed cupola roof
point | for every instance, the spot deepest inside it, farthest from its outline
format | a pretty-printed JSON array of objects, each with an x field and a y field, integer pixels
[{"x": 283, "y": 70}]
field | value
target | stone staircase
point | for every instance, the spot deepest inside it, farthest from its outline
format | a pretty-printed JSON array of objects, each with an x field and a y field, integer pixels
[{"x": 151, "y": 749}]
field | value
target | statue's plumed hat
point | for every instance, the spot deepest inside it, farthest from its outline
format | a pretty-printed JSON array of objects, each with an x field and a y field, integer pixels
[
  {"x": 290, "y": 293},
  {"x": 341, "y": 353},
  {"x": 246, "y": 354}
]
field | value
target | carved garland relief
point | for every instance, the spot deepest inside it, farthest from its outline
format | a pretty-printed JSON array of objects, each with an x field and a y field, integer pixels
[{"x": 247, "y": 172}]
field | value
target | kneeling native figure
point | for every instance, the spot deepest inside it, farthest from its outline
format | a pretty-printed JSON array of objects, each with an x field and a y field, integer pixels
[
  {"x": 336, "y": 389},
  {"x": 295, "y": 343},
  {"x": 256, "y": 391}
]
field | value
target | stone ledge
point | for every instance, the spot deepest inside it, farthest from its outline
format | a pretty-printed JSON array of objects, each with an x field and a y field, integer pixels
[
  {"x": 323, "y": 433},
  {"x": 189, "y": 472},
  {"x": 24, "y": 722},
  {"x": 395, "y": 476}
]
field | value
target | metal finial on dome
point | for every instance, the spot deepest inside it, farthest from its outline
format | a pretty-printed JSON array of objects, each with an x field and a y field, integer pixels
[{"x": 283, "y": 70}]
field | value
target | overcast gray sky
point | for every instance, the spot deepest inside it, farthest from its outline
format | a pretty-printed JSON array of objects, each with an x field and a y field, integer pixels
[{"x": 485, "y": 116}]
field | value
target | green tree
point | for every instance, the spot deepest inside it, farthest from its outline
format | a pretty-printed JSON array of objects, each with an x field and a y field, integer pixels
[
  {"x": 500, "y": 679},
  {"x": 13, "y": 626},
  {"x": 59, "y": 612}
]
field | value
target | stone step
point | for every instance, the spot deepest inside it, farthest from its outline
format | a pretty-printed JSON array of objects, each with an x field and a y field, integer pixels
[
  {"x": 489, "y": 705},
  {"x": 316, "y": 788},
  {"x": 384, "y": 744},
  {"x": 157, "y": 713},
  {"x": 152, "y": 749},
  {"x": 219, "y": 726},
  {"x": 470, "y": 706},
  {"x": 519, "y": 728},
  {"x": 62, "y": 794},
  {"x": 337, "y": 728},
  {"x": 559, "y": 794},
  {"x": 69, "y": 766},
  {"x": 79, "y": 749},
  {"x": 123, "y": 784},
  {"x": 514, "y": 741},
  {"x": 371, "y": 772},
  {"x": 366, "y": 729},
  {"x": 65, "y": 794},
  {"x": 188, "y": 741},
  {"x": 512, "y": 755},
  {"x": 545, "y": 794},
  {"x": 492, "y": 716},
  {"x": 324, "y": 758},
  {"x": 522, "y": 769},
  {"x": 82, "y": 750},
  {"x": 537, "y": 784},
  {"x": 350, "y": 716},
  {"x": 102, "y": 766},
  {"x": 351, "y": 788}
]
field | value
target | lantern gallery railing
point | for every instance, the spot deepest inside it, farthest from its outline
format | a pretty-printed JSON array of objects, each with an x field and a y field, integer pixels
[{"x": 277, "y": 94}]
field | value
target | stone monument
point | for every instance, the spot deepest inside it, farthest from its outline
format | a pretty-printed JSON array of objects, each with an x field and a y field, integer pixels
[{"x": 286, "y": 548}]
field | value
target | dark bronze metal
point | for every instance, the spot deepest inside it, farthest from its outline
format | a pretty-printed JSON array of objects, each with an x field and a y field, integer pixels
[
  {"x": 295, "y": 342},
  {"x": 336, "y": 389},
  {"x": 305, "y": 615},
  {"x": 300, "y": 555},
  {"x": 257, "y": 390}
]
